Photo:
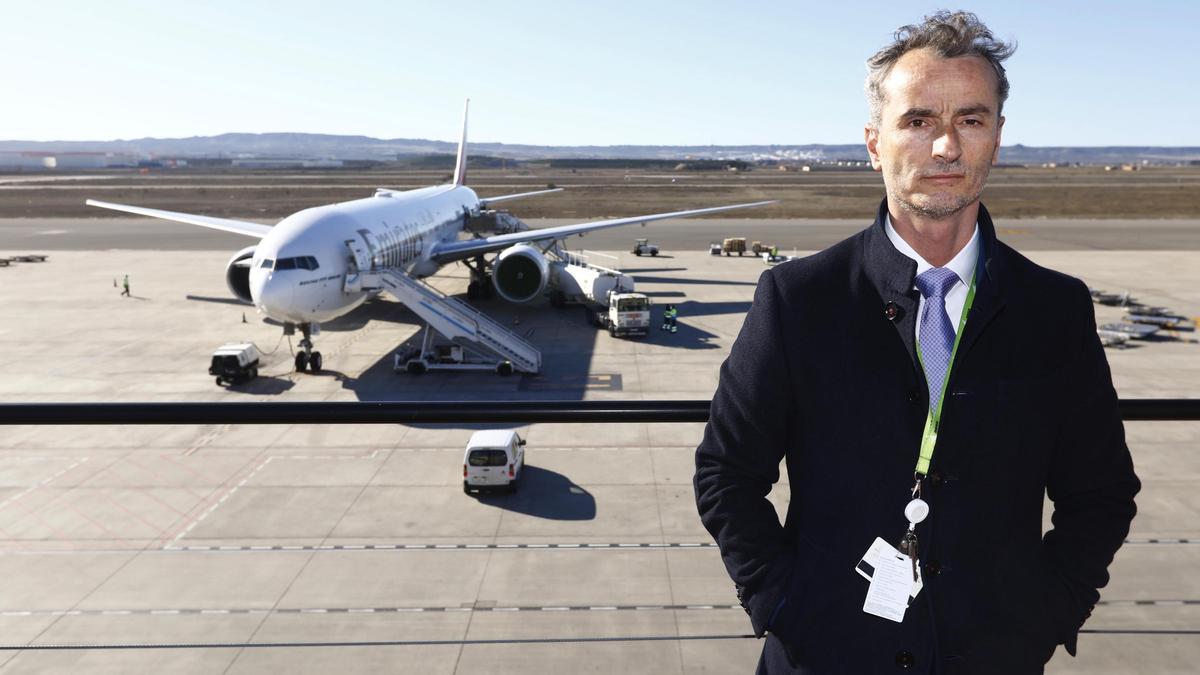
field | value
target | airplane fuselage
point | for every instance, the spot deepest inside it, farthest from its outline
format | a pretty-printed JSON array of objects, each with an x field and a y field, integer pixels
[{"x": 298, "y": 270}]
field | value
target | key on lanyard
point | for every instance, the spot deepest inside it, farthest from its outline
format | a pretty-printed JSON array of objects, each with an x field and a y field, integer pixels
[
  {"x": 915, "y": 512},
  {"x": 908, "y": 546}
]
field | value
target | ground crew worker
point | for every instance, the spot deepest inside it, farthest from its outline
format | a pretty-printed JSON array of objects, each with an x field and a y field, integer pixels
[
  {"x": 126, "y": 285},
  {"x": 669, "y": 314}
]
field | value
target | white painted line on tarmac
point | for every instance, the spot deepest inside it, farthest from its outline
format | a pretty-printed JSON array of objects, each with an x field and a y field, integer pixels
[
  {"x": 547, "y": 608},
  {"x": 222, "y": 499},
  {"x": 44, "y": 482}
]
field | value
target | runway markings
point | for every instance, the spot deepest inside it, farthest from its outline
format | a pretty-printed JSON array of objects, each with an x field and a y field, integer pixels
[
  {"x": 443, "y": 547},
  {"x": 455, "y": 547},
  {"x": 565, "y": 545},
  {"x": 224, "y": 497},
  {"x": 369, "y": 610},
  {"x": 207, "y": 438},
  {"x": 719, "y": 607},
  {"x": 44, "y": 482},
  {"x": 379, "y": 643}
]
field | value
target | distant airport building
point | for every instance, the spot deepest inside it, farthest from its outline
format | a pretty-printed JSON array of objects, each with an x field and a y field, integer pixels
[
  {"x": 255, "y": 162},
  {"x": 28, "y": 160}
]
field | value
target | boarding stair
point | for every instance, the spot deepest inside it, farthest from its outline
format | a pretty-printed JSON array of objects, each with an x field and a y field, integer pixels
[{"x": 459, "y": 322}]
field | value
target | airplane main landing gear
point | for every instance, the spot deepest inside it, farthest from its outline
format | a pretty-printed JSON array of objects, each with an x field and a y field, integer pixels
[
  {"x": 480, "y": 286},
  {"x": 307, "y": 357}
]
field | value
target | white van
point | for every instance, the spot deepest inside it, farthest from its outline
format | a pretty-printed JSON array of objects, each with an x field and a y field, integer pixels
[{"x": 493, "y": 459}]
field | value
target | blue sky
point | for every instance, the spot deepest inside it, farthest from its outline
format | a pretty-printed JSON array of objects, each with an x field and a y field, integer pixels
[{"x": 567, "y": 72}]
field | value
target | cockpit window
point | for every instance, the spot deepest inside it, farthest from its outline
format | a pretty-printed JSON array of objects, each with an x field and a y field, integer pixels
[
  {"x": 267, "y": 263},
  {"x": 303, "y": 262}
]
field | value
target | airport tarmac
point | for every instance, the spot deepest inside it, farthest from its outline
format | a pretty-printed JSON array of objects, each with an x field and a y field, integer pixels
[{"x": 249, "y": 542}]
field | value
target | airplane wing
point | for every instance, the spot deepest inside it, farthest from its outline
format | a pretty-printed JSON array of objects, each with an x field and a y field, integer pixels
[
  {"x": 256, "y": 230},
  {"x": 488, "y": 201},
  {"x": 468, "y": 248}
]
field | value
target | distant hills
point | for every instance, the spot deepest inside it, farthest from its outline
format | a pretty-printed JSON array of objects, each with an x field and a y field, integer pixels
[{"x": 327, "y": 146}]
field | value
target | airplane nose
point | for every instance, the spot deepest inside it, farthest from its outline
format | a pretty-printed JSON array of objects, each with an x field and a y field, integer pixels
[{"x": 273, "y": 296}]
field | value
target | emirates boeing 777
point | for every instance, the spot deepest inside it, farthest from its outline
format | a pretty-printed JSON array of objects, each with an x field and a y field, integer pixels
[{"x": 308, "y": 268}]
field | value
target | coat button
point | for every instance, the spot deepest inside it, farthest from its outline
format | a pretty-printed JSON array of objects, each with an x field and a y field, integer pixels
[
  {"x": 932, "y": 569},
  {"x": 891, "y": 311},
  {"x": 905, "y": 660}
]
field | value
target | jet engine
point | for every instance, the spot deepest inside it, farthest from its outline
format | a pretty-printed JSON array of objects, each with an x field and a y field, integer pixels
[
  {"x": 237, "y": 274},
  {"x": 520, "y": 273}
]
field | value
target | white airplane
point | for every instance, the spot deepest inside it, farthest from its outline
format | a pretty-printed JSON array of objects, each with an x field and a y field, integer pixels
[{"x": 307, "y": 268}]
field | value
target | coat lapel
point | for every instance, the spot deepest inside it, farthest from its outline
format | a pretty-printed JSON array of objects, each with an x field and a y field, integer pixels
[
  {"x": 891, "y": 273},
  {"x": 988, "y": 298}
]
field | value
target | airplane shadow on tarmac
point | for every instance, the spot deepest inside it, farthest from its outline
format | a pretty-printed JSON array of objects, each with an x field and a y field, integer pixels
[
  {"x": 542, "y": 493},
  {"x": 222, "y": 301},
  {"x": 676, "y": 280},
  {"x": 694, "y": 308},
  {"x": 567, "y": 341},
  {"x": 645, "y": 270}
]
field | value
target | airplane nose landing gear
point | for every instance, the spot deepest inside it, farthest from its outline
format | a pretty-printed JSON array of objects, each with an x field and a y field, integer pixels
[{"x": 307, "y": 358}]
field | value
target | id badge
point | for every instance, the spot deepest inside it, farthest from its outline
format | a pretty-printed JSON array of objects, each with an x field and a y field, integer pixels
[
  {"x": 888, "y": 595},
  {"x": 892, "y": 587},
  {"x": 866, "y": 566}
]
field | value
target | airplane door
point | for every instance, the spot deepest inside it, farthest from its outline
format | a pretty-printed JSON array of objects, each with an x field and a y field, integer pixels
[
  {"x": 372, "y": 247},
  {"x": 360, "y": 258}
]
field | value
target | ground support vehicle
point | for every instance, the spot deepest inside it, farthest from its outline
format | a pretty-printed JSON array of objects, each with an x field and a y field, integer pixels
[
  {"x": 644, "y": 247},
  {"x": 235, "y": 362},
  {"x": 607, "y": 295},
  {"x": 626, "y": 314},
  {"x": 432, "y": 357},
  {"x": 493, "y": 459},
  {"x": 734, "y": 245},
  {"x": 714, "y": 248},
  {"x": 760, "y": 248}
]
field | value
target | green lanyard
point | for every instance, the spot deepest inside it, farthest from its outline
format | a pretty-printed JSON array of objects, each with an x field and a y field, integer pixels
[{"x": 934, "y": 419}]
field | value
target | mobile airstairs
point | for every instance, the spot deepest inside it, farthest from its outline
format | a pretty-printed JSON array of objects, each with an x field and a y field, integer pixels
[{"x": 477, "y": 341}]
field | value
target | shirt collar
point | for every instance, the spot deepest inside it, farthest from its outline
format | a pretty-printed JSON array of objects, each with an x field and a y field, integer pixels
[{"x": 962, "y": 264}]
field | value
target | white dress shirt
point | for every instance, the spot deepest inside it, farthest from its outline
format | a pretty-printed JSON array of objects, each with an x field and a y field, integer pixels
[{"x": 962, "y": 264}]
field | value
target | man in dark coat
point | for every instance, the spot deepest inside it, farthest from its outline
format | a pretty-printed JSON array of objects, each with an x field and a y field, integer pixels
[{"x": 922, "y": 335}]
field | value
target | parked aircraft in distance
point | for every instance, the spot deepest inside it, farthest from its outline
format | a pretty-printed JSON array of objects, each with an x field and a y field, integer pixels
[{"x": 320, "y": 263}]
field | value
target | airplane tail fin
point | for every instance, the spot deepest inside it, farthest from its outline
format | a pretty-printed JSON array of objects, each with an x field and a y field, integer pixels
[{"x": 460, "y": 167}]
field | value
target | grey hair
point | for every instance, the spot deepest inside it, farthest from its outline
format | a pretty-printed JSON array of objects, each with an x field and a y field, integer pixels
[{"x": 948, "y": 34}]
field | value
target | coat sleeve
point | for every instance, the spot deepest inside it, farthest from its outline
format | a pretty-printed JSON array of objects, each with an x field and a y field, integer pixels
[
  {"x": 738, "y": 460},
  {"x": 1091, "y": 482}
]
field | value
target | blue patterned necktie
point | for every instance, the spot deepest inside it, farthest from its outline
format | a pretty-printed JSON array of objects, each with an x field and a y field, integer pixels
[{"x": 937, "y": 333}]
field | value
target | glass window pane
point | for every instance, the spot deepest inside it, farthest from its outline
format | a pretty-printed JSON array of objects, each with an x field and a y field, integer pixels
[{"x": 489, "y": 457}]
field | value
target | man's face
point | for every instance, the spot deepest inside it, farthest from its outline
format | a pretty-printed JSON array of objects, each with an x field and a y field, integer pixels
[{"x": 939, "y": 132}]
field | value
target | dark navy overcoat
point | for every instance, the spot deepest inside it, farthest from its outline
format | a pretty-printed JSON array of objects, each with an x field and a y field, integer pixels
[{"x": 825, "y": 379}]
